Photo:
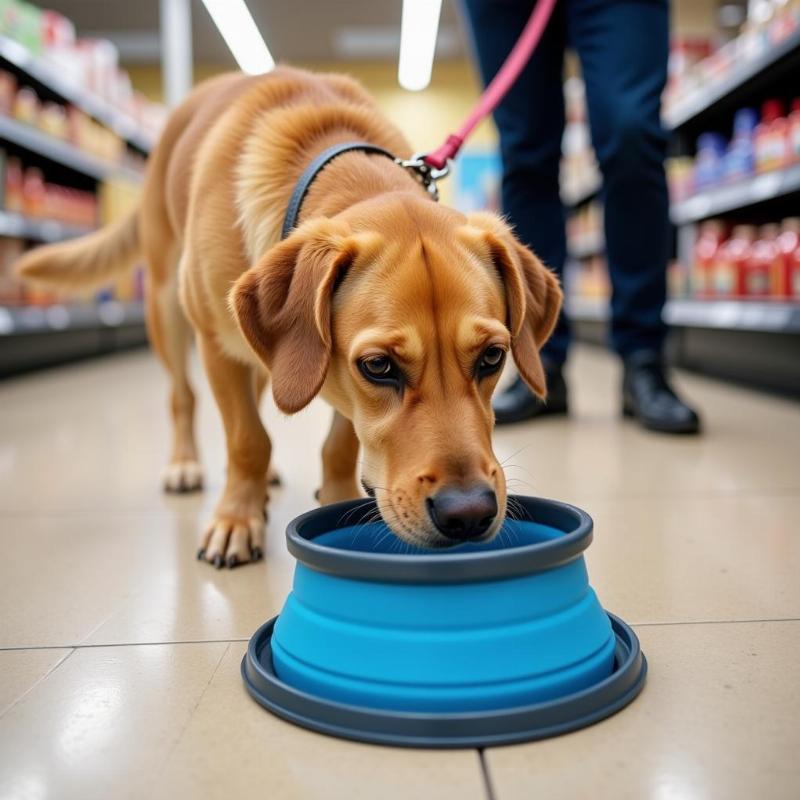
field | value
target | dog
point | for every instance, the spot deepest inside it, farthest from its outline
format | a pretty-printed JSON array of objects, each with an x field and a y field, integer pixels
[{"x": 395, "y": 309}]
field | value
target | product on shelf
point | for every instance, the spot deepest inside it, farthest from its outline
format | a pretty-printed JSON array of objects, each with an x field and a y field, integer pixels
[
  {"x": 706, "y": 249},
  {"x": 85, "y": 64},
  {"x": 11, "y": 293},
  {"x": 26, "y": 192},
  {"x": 727, "y": 274},
  {"x": 585, "y": 226},
  {"x": 710, "y": 161},
  {"x": 752, "y": 262},
  {"x": 761, "y": 273},
  {"x": 757, "y": 146},
  {"x": 740, "y": 155},
  {"x": 794, "y": 131},
  {"x": 789, "y": 254},
  {"x": 771, "y": 138},
  {"x": 693, "y": 68}
]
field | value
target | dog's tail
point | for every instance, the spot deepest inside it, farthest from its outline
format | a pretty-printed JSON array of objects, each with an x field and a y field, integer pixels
[{"x": 87, "y": 262}]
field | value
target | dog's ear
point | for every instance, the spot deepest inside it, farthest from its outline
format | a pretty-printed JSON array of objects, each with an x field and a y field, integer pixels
[
  {"x": 533, "y": 295},
  {"x": 283, "y": 308}
]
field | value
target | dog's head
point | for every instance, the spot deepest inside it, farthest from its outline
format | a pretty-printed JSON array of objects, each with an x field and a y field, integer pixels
[{"x": 401, "y": 313}]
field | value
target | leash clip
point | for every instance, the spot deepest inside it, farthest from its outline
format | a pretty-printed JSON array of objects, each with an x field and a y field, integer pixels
[{"x": 424, "y": 172}]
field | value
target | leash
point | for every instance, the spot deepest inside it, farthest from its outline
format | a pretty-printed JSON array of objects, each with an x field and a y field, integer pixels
[
  {"x": 498, "y": 88},
  {"x": 430, "y": 167}
]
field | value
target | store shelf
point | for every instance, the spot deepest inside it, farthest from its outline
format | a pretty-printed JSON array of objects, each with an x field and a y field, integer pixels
[
  {"x": 735, "y": 196},
  {"x": 38, "y": 230},
  {"x": 572, "y": 197},
  {"x": 41, "y": 71},
  {"x": 31, "y": 338},
  {"x": 587, "y": 309},
  {"x": 58, "y": 318},
  {"x": 586, "y": 246},
  {"x": 758, "y": 316},
  {"x": 768, "y": 316},
  {"x": 62, "y": 152},
  {"x": 783, "y": 57}
]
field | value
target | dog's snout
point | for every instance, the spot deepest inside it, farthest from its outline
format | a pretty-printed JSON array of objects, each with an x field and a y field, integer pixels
[{"x": 462, "y": 514}]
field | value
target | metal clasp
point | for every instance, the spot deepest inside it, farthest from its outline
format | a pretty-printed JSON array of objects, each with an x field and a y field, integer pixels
[{"x": 424, "y": 172}]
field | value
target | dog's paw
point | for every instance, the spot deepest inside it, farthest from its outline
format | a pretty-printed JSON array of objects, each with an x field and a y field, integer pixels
[
  {"x": 183, "y": 476},
  {"x": 335, "y": 491},
  {"x": 230, "y": 541}
]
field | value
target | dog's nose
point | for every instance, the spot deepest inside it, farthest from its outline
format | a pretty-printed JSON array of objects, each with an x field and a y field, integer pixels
[{"x": 462, "y": 514}]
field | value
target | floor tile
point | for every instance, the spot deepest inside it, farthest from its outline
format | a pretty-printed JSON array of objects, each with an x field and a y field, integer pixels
[
  {"x": 107, "y": 579},
  {"x": 717, "y": 718},
  {"x": 95, "y": 436},
  {"x": 716, "y": 558},
  {"x": 750, "y": 442},
  {"x": 21, "y": 670},
  {"x": 103, "y": 724},
  {"x": 233, "y": 747}
]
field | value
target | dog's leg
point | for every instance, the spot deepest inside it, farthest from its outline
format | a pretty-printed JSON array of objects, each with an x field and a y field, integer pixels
[
  {"x": 170, "y": 334},
  {"x": 261, "y": 381},
  {"x": 236, "y": 533},
  {"x": 339, "y": 458}
]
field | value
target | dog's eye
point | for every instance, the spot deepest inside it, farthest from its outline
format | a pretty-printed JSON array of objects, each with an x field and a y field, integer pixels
[
  {"x": 379, "y": 369},
  {"x": 491, "y": 360}
]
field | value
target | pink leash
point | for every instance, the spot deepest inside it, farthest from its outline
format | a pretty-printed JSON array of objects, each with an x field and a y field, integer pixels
[{"x": 499, "y": 86}]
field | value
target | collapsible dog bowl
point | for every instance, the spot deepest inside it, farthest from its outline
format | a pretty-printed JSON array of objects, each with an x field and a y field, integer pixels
[{"x": 476, "y": 645}]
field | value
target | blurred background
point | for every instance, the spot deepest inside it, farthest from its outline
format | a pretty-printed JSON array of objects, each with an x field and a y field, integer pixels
[{"x": 85, "y": 86}]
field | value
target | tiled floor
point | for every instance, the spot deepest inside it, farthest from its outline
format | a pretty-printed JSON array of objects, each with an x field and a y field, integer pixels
[{"x": 119, "y": 653}]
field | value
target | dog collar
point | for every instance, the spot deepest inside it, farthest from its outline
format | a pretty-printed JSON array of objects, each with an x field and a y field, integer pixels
[{"x": 425, "y": 174}]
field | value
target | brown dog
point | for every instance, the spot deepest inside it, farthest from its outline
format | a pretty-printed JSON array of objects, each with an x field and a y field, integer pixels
[{"x": 397, "y": 310}]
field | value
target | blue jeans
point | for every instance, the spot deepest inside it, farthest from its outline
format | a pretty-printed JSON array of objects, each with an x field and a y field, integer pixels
[{"x": 623, "y": 47}]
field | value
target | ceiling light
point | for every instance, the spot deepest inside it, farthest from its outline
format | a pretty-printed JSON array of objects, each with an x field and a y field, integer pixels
[
  {"x": 419, "y": 27},
  {"x": 233, "y": 19}
]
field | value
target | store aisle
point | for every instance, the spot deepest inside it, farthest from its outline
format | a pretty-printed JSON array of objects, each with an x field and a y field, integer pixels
[{"x": 119, "y": 653}]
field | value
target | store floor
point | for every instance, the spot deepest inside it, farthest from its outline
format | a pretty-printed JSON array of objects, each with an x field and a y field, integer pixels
[{"x": 119, "y": 653}]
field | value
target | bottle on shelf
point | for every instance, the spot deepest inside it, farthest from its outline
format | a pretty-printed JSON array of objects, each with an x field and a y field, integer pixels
[
  {"x": 706, "y": 248},
  {"x": 771, "y": 137},
  {"x": 794, "y": 131},
  {"x": 731, "y": 262},
  {"x": 740, "y": 156},
  {"x": 789, "y": 255},
  {"x": 761, "y": 272}
]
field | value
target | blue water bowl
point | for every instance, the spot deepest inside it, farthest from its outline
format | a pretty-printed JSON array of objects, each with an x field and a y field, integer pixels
[{"x": 474, "y": 645}]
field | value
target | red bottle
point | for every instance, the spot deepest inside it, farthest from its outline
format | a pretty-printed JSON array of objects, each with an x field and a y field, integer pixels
[
  {"x": 731, "y": 262},
  {"x": 789, "y": 249},
  {"x": 712, "y": 234},
  {"x": 771, "y": 137},
  {"x": 793, "y": 146},
  {"x": 762, "y": 271}
]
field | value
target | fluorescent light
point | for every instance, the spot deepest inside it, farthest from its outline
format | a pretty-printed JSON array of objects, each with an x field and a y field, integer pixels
[
  {"x": 418, "y": 32},
  {"x": 233, "y": 19}
]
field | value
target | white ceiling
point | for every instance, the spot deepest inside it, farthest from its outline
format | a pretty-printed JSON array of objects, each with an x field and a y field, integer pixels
[{"x": 295, "y": 30}]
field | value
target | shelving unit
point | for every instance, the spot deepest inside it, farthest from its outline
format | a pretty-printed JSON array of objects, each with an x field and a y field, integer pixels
[
  {"x": 63, "y": 153},
  {"x": 585, "y": 246},
  {"x": 745, "y": 79},
  {"x": 737, "y": 196},
  {"x": 37, "y": 336},
  {"x": 38, "y": 230},
  {"x": 42, "y": 73},
  {"x": 751, "y": 340},
  {"x": 34, "y": 337}
]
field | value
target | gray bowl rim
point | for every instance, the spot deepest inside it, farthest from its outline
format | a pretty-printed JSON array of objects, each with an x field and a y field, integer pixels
[{"x": 510, "y": 562}]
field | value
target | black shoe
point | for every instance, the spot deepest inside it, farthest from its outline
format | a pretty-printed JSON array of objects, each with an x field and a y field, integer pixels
[
  {"x": 518, "y": 402},
  {"x": 647, "y": 396}
]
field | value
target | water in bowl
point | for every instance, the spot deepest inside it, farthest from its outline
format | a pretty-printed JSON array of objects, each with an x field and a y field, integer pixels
[{"x": 377, "y": 537}]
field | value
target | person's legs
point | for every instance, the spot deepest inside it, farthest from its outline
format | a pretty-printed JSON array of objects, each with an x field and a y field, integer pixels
[
  {"x": 530, "y": 120},
  {"x": 623, "y": 47}
]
